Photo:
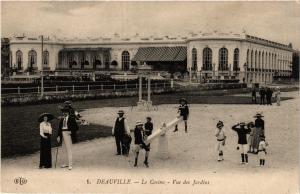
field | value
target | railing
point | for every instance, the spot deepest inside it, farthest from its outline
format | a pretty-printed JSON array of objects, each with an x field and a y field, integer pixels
[{"x": 82, "y": 88}]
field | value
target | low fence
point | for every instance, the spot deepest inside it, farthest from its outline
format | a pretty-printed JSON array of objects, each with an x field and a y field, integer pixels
[{"x": 78, "y": 88}]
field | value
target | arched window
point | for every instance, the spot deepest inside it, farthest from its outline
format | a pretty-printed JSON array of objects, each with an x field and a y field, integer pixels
[
  {"x": 270, "y": 61},
  {"x": 207, "y": 59},
  {"x": 247, "y": 58},
  {"x": 125, "y": 60},
  {"x": 19, "y": 57},
  {"x": 236, "y": 55},
  {"x": 263, "y": 60},
  {"x": 45, "y": 58},
  {"x": 255, "y": 59},
  {"x": 223, "y": 59},
  {"x": 194, "y": 59},
  {"x": 251, "y": 62},
  {"x": 32, "y": 59},
  {"x": 258, "y": 61}
]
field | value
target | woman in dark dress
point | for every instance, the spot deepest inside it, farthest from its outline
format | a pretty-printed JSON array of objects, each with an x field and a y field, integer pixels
[
  {"x": 258, "y": 130},
  {"x": 45, "y": 153},
  {"x": 242, "y": 131}
]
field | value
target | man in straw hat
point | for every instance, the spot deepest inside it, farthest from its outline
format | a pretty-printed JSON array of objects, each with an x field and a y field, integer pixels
[
  {"x": 220, "y": 134},
  {"x": 242, "y": 131},
  {"x": 119, "y": 130},
  {"x": 139, "y": 141},
  {"x": 67, "y": 126},
  {"x": 184, "y": 112}
]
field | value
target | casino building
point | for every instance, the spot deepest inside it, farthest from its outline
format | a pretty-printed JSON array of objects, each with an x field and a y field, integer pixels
[{"x": 205, "y": 56}]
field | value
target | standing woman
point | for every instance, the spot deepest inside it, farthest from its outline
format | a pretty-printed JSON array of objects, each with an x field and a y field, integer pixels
[
  {"x": 259, "y": 129},
  {"x": 45, "y": 133}
]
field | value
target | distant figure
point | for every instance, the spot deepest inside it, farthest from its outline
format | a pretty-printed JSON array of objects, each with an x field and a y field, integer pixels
[
  {"x": 184, "y": 112},
  {"x": 221, "y": 137},
  {"x": 262, "y": 93},
  {"x": 262, "y": 152},
  {"x": 242, "y": 132},
  {"x": 253, "y": 95},
  {"x": 45, "y": 133},
  {"x": 277, "y": 96},
  {"x": 119, "y": 130},
  {"x": 139, "y": 141},
  {"x": 269, "y": 93}
]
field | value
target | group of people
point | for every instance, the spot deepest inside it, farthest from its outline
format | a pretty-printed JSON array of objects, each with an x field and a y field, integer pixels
[
  {"x": 265, "y": 95},
  {"x": 142, "y": 131},
  {"x": 255, "y": 143},
  {"x": 67, "y": 134}
]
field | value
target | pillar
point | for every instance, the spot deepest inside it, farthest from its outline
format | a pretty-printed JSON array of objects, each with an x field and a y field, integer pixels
[
  {"x": 140, "y": 88},
  {"x": 149, "y": 88}
]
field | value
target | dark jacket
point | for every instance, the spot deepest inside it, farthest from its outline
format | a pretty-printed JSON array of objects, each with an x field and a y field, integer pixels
[
  {"x": 184, "y": 111},
  {"x": 72, "y": 126},
  {"x": 262, "y": 92},
  {"x": 120, "y": 127},
  {"x": 242, "y": 133},
  {"x": 259, "y": 123},
  {"x": 138, "y": 136},
  {"x": 148, "y": 128}
]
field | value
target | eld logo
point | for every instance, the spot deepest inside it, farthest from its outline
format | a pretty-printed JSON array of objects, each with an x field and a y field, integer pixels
[{"x": 20, "y": 181}]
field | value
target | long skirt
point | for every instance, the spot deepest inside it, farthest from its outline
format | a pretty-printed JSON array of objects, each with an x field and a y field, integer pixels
[
  {"x": 255, "y": 138},
  {"x": 45, "y": 153}
]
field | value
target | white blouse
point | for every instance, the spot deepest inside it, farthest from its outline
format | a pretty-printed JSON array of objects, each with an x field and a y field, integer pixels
[{"x": 45, "y": 127}]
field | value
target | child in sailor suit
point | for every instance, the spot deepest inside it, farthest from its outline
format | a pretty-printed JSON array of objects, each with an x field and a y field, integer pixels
[
  {"x": 220, "y": 134},
  {"x": 262, "y": 150}
]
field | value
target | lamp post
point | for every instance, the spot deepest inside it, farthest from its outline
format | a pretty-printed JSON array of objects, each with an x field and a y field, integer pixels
[{"x": 42, "y": 76}]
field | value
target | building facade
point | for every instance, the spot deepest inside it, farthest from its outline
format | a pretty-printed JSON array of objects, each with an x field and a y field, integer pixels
[{"x": 206, "y": 56}]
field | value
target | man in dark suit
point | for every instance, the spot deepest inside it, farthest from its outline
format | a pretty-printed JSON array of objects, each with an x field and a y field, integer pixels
[
  {"x": 119, "y": 130},
  {"x": 67, "y": 127},
  {"x": 262, "y": 93},
  {"x": 269, "y": 93}
]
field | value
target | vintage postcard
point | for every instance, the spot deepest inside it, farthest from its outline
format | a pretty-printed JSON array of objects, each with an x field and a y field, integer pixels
[{"x": 148, "y": 97}]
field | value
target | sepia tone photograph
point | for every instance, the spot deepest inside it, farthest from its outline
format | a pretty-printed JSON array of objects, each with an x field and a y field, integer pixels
[{"x": 142, "y": 97}]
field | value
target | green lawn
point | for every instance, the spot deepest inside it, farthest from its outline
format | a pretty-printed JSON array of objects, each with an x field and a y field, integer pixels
[{"x": 20, "y": 129}]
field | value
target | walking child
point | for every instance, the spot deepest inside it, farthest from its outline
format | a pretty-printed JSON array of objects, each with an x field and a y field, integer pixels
[
  {"x": 139, "y": 141},
  {"x": 220, "y": 134},
  {"x": 184, "y": 112},
  {"x": 262, "y": 152},
  {"x": 242, "y": 132}
]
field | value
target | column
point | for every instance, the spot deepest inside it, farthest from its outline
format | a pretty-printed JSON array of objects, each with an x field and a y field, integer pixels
[
  {"x": 215, "y": 59},
  {"x": 140, "y": 87},
  {"x": 149, "y": 88}
]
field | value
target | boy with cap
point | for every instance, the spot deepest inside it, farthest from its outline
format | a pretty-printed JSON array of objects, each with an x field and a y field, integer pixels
[
  {"x": 262, "y": 150},
  {"x": 139, "y": 141},
  {"x": 184, "y": 112},
  {"x": 220, "y": 134},
  {"x": 242, "y": 132},
  {"x": 119, "y": 130}
]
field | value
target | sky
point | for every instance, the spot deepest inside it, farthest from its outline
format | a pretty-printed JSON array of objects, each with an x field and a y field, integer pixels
[{"x": 276, "y": 21}]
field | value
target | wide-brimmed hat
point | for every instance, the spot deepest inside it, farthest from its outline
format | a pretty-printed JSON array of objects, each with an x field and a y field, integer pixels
[
  {"x": 182, "y": 100},
  {"x": 138, "y": 123},
  {"x": 220, "y": 124},
  {"x": 120, "y": 112},
  {"x": 258, "y": 115},
  {"x": 48, "y": 115}
]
